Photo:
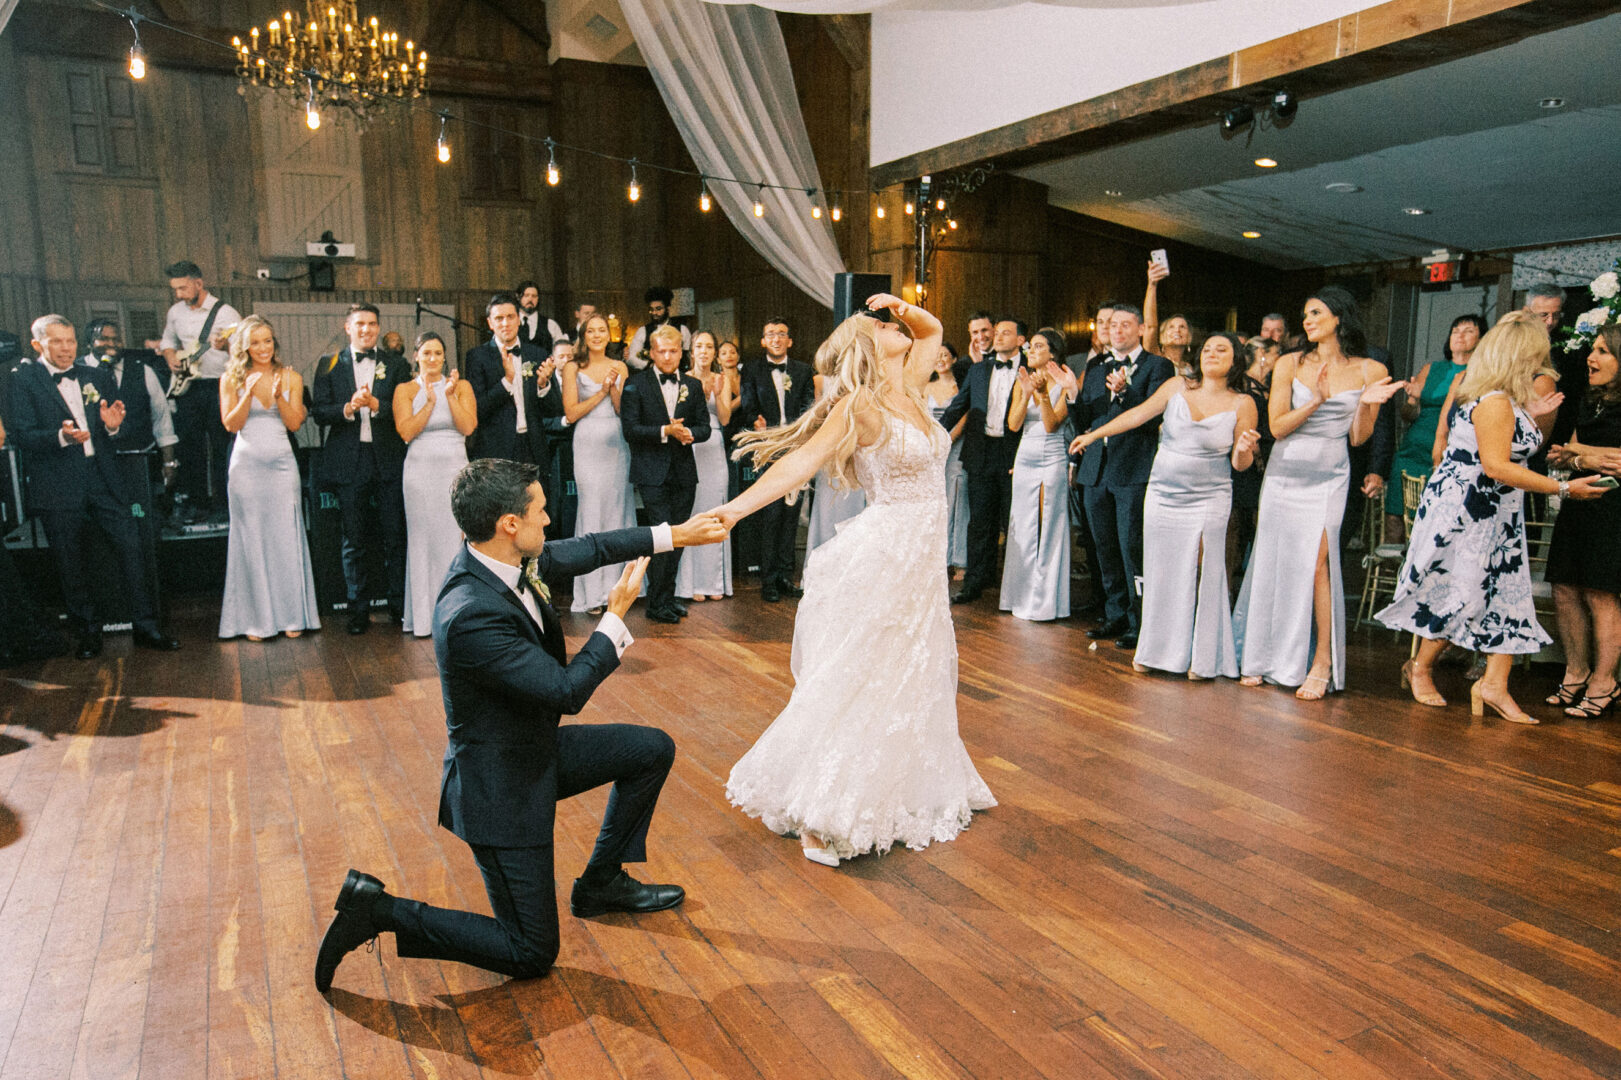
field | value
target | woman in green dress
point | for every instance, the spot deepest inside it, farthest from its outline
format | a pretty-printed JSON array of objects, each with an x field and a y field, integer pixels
[{"x": 1422, "y": 411}]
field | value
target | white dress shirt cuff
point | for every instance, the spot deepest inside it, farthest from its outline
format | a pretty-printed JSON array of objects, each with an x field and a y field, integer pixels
[
  {"x": 62, "y": 438},
  {"x": 663, "y": 538},
  {"x": 614, "y": 629}
]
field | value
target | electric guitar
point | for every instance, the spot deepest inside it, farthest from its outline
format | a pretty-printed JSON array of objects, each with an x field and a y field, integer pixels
[{"x": 191, "y": 365}]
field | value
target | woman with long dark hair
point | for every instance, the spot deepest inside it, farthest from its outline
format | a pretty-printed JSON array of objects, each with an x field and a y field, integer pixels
[
  {"x": 1290, "y": 621},
  {"x": 1209, "y": 431},
  {"x": 1035, "y": 561},
  {"x": 705, "y": 573}
]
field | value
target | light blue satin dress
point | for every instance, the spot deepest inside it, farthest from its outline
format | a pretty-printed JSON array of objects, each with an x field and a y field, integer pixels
[
  {"x": 432, "y": 538},
  {"x": 602, "y": 484},
  {"x": 1302, "y": 502},
  {"x": 1187, "y": 623},
  {"x": 707, "y": 568},
  {"x": 1035, "y": 564},
  {"x": 956, "y": 499}
]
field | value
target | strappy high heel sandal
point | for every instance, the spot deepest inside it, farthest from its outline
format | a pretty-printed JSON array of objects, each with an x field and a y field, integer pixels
[
  {"x": 1433, "y": 700},
  {"x": 1569, "y": 693},
  {"x": 1478, "y": 703},
  {"x": 1250, "y": 680},
  {"x": 1315, "y": 688},
  {"x": 1593, "y": 706}
]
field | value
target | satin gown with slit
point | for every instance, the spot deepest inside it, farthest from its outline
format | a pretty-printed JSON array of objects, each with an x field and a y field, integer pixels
[
  {"x": 606, "y": 501},
  {"x": 1302, "y": 504},
  {"x": 866, "y": 754},
  {"x": 432, "y": 538},
  {"x": 269, "y": 584},
  {"x": 1035, "y": 560},
  {"x": 706, "y": 570},
  {"x": 1187, "y": 620}
]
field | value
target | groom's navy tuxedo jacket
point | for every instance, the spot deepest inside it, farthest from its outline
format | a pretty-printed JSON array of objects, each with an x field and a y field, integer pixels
[{"x": 507, "y": 683}]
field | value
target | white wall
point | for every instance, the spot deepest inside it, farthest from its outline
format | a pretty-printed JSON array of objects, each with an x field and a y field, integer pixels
[{"x": 939, "y": 76}]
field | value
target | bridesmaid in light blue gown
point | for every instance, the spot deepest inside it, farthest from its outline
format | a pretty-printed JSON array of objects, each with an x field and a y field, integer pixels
[
  {"x": 705, "y": 572},
  {"x": 434, "y": 413},
  {"x": 601, "y": 457},
  {"x": 829, "y": 505},
  {"x": 1209, "y": 430},
  {"x": 941, "y": 389},
  {"x": 269, "y": 586},
  {"x": 1290, "y": 619},
  {"x": 1035, "y": 563}
]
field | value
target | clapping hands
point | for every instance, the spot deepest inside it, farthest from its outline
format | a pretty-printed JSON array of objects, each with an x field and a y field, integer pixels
[
  {"x": 1248, "y": 441},
  {"x": 1545, "y": 404},
  {"x": 1377, "y": 393}
]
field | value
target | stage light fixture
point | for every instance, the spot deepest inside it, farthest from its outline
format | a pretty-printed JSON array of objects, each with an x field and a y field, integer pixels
[
  {"x": 1237, "y": 119},
  {"x": 1284, "y": 105}
]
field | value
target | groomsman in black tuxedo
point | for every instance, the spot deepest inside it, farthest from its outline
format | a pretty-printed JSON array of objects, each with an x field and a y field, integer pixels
[
  {"x": 775, "y": 391},
  {"x": 662, "y": 413},
  {"x": 988, "y": 450},
  {"x": 512, "y": 382},
  {"x": 1115, "y": 480},
  {"x": 67, "y": 420},
  {"x": 364, "y": 457},
  {"x": 508, "y": 682}
]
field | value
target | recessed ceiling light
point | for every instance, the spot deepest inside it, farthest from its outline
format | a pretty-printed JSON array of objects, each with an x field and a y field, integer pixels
[
  {"x": 1552, "y": 103},
  {"x": 1416, "y": 211},
  {"x": 1340, "y": 187},
  {"x": 1112, "y": 193},
  {"x": 1266, "y": 163},
  {"x": 1251, "y": 234}
]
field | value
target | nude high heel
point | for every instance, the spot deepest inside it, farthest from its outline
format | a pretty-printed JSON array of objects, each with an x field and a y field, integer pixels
[
  {"x": 1478, "y": 702},
  {"x": 1435, "y": 701}
]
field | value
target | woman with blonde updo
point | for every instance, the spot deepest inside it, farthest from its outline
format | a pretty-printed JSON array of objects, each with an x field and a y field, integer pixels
[
  {"x": 866, "y": 754},
  {"x": 269, "y": 586}
]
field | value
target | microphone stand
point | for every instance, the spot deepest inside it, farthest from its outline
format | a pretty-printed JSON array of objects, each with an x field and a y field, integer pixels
[{"x": 423, "y": 309}]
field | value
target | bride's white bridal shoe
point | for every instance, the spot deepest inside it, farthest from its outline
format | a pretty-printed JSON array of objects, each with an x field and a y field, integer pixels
[{"x": 825, "y": 856}]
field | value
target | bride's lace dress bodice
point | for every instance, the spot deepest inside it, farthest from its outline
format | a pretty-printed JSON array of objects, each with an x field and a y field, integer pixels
[{"x": 866, "y": 754}]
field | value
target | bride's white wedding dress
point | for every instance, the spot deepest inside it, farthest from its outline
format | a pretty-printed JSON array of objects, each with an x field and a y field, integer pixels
[{"x": 866, "y": 754}]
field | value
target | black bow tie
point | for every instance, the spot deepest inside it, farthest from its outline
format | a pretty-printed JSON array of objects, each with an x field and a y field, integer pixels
[
  {"x": 778, "y": 365},
  {"x": 68, "y": 374},
  {"x": 1001, "y": 364},
  {"x": 359, "y": 356},
  {"x": 671, "y": 377}
]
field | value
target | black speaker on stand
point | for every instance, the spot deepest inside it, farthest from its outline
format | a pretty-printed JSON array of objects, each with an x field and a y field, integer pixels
[{"x": 851, "y": 292}]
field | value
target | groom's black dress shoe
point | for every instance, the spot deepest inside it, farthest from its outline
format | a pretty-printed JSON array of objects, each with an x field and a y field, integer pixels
[
  {"x": 351, "y": 927},
  {"x": 679, "y": 608},
  {"x": 1112, "y": 628},
  {"x": 89, "y": 645},
  {"x": 967, "y": 595},
  {"x": 789, "y": 589},
  {"x": 359, "y": 617},
  {"x": 154, "y": 639},
  {"x": 769, "y": 593},
  {"x": 1128, "y": 640},
  {"x": 623, "y": 893},
  {"x": 663, "y": 615}
]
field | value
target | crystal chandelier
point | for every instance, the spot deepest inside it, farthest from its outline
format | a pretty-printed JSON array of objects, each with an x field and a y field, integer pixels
[{"x": 331, "y": 58}]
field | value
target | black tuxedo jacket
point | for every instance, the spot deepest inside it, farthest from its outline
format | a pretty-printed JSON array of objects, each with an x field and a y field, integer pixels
[
  {"x": 980, "y": 452},
  {"x": 334, "y": 386},
  {"x": 1128, "y": 458},
  {"x": 642, "y": 414},
  {"x": 497, "y": 435},
  {"x": 507, "y": 683},
  {"x": 759, "y": 393},
  {"x": 59, "y": 476}
]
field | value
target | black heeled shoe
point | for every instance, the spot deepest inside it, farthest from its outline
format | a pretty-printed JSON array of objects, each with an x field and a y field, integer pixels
[
  {"x": 1593, "y": 706},
  {"x": 1569, "y": 693}
]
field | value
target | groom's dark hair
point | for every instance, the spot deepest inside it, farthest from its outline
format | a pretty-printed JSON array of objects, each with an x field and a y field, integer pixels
[{"x": 487, "y": 490}]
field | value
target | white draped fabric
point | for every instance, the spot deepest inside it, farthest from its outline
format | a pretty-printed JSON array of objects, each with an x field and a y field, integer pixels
[
  {"x": 861, "y": 7},
  {"x": 724, "y": 75},
  {"x": 6, "y": 8}
]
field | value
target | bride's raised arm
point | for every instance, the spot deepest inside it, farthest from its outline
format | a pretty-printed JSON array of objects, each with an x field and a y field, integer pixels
[
  {"x": 926, "y": 336},
  {"x": 793, "y": 470}
]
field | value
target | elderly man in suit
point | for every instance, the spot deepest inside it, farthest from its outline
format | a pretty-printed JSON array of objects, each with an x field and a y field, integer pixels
[
  {"x": 508, "y": 681},
  {"x": 364, "y": 457},
  {"x": 775, "y": 391},
  {"x": 69, "y": 424},
  {"x": 1114, "y": 482},
  {"x": 988, "y": 450},
  {"x": 663, "y": 413}
]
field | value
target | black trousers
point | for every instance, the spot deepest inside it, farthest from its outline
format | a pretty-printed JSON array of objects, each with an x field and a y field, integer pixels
[
  {"x": 670, "y": 501},
  {"x": 65, "y": 531},
  {"x": 779, "y": 536},
  {"x": 354, "y": 500},
  {"x": 204, "y": 450},
  {"x": 1116, "y": 516},
  {"x": 522, "y": 938},
  {"x": 990, "y": 500},
  {"x": 1094, "y": 573}
]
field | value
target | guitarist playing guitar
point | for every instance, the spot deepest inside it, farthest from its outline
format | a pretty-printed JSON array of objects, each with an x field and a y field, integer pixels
[{"x": 194, "y": 347}]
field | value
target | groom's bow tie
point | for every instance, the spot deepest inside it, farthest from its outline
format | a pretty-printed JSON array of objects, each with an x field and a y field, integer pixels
[{"x": 1000, "y": 365}]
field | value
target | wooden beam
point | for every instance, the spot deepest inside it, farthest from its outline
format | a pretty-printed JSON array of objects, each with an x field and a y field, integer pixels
[
  {"x": 528, "y": 16},
  {"x": 1380, "y": 42},
  {"x": 852, "y": 35}
]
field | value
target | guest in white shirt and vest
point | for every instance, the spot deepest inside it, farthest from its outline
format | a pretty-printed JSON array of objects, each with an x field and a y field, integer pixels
[
  {"x": 533, "y": 327},
  {"x": 194, "y": 346},
  {"x": 146, "y": 408}
]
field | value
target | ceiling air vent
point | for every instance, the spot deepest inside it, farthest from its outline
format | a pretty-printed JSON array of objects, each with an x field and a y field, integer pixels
[{"x": 602, "y": 28}]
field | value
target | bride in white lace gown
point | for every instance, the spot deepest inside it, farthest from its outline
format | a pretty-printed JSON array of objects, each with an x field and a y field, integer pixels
[{"x": 866, "y": 754}]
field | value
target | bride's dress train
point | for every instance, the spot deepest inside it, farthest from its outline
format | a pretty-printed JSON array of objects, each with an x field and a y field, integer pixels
[{"x": 866, "y": 754}]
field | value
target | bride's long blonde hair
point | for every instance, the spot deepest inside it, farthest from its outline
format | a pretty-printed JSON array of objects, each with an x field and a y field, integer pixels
[{"x": 850, "y": 367}]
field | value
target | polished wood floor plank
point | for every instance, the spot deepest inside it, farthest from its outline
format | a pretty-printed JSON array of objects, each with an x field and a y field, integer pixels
[{"x": 1180, "y": 881}]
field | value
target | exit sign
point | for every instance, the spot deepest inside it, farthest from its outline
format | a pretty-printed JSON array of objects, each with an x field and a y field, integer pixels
[{"x": 1443, "y": 273}]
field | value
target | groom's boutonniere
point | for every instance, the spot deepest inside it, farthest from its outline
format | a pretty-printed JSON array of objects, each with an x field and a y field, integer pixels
[
  {"x": 92, "y": 396},
  {"x": 380, "y": 373},
  {"x": 787, "y": 383},
  {"x": 529, "y": 369},
  {"x": 682, "y": 396},
  {"x": 531, "y": 573}
]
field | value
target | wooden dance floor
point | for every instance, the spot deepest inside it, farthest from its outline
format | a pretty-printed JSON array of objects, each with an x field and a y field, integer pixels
[{"x": 1181, "y": 880}]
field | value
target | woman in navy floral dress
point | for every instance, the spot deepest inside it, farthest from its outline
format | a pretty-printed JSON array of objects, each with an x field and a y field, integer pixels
[{"x": 1466, "y": 578}]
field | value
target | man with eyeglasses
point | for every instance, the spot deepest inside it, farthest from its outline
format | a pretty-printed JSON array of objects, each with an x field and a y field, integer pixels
[{"x": 774, "y": 393}]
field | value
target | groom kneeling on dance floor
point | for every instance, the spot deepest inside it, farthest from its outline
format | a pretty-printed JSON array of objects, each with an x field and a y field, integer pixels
[{"x": 507, "y": 682}]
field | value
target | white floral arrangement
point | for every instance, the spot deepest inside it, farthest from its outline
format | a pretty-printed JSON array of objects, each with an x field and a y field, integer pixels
[
  {"x": 1606, "y": 289},
  {"x": 379, "y": 373},
  {"x": 682, "y": 396},
  {"x": 91, "y": 395},
  {"x": 787, "y": 384},
  {"x": 528, "y": 369}
]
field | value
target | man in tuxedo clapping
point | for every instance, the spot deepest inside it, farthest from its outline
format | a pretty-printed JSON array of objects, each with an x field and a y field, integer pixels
[{"x": 776, "y": 392}]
